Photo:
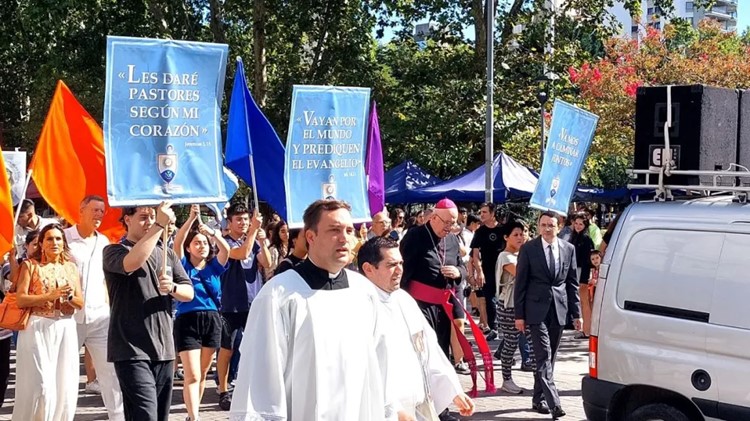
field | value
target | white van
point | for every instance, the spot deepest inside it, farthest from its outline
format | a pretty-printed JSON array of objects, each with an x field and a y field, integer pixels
[{"x": 670, "y": 337}]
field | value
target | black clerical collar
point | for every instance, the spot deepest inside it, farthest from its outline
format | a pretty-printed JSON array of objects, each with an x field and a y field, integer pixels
[{"x": 318, "y": 278}]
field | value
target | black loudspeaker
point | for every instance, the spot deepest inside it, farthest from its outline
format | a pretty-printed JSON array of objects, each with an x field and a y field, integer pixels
[
  {"x": 743, "y": 142},
  {"x": 703, "y": 135}
]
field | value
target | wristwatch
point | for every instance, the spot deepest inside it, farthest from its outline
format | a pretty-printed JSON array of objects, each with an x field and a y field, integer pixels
[{"x": 174, "y": 288}]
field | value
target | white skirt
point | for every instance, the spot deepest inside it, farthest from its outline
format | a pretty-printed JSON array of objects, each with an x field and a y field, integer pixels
[{"x": 47, "y": 370}]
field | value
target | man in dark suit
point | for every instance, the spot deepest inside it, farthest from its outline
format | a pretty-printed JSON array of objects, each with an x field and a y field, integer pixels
[{"x": 546, "y": 290}]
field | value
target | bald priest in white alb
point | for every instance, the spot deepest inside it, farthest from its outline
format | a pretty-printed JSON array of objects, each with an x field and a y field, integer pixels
[
  {"x": 314, "y": 348},
  {"x": 422, "y": 382}
]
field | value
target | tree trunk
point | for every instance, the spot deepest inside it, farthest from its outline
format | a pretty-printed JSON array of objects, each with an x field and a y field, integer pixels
[
  {"x": 217, "y": 30},
  {"x": 162, "y": 28},
  {"x": 510, "y": 22},
  {"x": 480, "y": 33},
  {"x": 260, "y": 87},
  {"x": 319, "y": 45}
]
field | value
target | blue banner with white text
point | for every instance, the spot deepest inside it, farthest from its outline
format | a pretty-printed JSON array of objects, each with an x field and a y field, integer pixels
[
  {"x": 325, "y": 150},
  {"x": 570, "y": 137},
  {"x": 162, "y": 113}
]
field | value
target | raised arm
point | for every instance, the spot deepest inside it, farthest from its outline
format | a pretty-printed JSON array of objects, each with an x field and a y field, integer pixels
[
  {"x": 140, "y": 252},
  {"x": 179, "y": 238},
  {"x": 221, "y": 243},
  {"x": 244, "y": 251}
]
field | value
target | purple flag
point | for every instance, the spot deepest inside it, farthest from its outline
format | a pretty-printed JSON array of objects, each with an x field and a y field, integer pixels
[{"x": 374, "y": 165}]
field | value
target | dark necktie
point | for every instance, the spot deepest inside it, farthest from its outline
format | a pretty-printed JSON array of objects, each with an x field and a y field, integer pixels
[{"x": 551, "y": 261}]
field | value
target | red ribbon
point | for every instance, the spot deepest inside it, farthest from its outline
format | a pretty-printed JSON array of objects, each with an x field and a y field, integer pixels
[{"x": 439, "y": 296}]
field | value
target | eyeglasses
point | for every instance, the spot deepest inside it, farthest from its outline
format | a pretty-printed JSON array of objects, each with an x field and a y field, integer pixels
[{"x": 449, "y": 223}]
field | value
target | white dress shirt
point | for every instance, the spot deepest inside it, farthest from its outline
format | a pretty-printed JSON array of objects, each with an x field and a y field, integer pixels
[
  {"x": 87, "y": 255},
  {"x": 555, "y": 252}
]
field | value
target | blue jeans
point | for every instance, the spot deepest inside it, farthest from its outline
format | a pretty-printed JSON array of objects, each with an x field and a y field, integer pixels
[{"x": 523, "y": 346}]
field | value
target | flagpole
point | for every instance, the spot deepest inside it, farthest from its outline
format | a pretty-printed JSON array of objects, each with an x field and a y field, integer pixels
[
  {"x": 23, "y": 197},
  {"x": 250, "y": 146}
]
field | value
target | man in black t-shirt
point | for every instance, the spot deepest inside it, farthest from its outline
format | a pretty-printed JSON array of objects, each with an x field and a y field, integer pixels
[
  {"x": 485, "y": 247},
  {"x": 140, "y": 341}
]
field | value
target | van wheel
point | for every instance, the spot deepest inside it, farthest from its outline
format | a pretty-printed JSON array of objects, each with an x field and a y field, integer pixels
[{"x": 657, "y": 412}]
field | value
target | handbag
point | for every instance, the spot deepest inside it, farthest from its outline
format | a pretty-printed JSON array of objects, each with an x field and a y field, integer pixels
[{"x": 11, "y": 316}]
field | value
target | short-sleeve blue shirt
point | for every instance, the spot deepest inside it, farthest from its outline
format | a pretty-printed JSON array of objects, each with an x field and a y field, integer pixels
[{"x": 209, "y": 277}]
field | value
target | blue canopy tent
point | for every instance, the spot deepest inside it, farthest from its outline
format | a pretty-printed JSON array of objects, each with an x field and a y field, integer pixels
[
  {"x": 405, "y": 177},
  {"x": 511, "y": 180}
]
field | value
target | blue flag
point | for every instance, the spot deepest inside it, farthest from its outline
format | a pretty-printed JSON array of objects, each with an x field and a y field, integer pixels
[
  {"x": 251, "y": 136},
  {"x": 568, "y": 144},
  {"x": 326, "y": 150},
  {"x": 162, "y": 115}
]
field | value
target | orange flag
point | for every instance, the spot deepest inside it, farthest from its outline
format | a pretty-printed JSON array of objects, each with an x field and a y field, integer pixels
[
  {"x": 6, "y": 212},
  {"x": 68, "y": 163}
]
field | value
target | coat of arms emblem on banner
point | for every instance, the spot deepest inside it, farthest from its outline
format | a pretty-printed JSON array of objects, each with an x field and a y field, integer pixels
[{"x": 167, "y": 164}]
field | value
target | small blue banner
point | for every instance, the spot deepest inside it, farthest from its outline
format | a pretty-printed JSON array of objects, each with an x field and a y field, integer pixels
[
  {"x": 568, "y": 144},
  {"x": 325, "y": 150},
  {"x": 162, "y": 113}
]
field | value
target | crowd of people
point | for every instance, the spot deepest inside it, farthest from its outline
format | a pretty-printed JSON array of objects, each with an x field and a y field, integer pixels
[{"x": 318, "y": 322}]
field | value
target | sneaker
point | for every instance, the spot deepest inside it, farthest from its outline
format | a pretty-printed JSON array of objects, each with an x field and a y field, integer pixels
[
  {"x": 580, "y": 335},
  {"x": 93, "y": 388},
  {"x": 225, "y": 401},
  {"x": 462, "y": 368},
  {"x": 492, "y": 335},
  {"x": 510, "y": 387},
  {"x": 179, "y": 375}
]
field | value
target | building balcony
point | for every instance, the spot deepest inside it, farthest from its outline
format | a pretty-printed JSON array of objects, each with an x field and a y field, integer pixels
[
  {"x": 726, "y": 3},
  {"x": 721, "y": 14}
]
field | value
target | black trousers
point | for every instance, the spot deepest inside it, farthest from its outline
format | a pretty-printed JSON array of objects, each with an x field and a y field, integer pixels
[
  {"x": 146, "y": 389},
  {"x": 439, "y": 321},
  {"x": 4, "y": 367},
  {"x": 490, "y": 303},
  {"x": 545, "y": 341}
]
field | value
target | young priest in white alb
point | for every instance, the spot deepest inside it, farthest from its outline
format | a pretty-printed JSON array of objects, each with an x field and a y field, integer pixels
[
  {"x": 422, "y": 382},
  {"x": 316, "y": 350}
]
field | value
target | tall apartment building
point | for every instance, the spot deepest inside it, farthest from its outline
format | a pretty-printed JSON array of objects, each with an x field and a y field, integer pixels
[{"x": 723, "y": 11}]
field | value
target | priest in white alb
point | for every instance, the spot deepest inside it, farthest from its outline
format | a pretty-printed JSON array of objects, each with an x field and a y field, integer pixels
[
  {"x": 422, "y": 382},
  {"x": 314, "y": 348}
]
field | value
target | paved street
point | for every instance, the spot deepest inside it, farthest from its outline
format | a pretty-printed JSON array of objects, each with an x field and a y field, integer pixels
[{"x": 572, "y": 364}]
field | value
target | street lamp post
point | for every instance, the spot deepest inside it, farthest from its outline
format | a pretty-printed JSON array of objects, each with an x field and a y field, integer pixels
[
  {"x": 542, "y": 97},
  {"x": 489, "y": 129}
]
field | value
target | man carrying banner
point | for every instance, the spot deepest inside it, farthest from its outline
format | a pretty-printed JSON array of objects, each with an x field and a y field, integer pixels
[
  {"x": 426, "y": 381},
  {"x": 87, "y": 247},
  {"x": 433, "y": 268},
  {"x": 240, "y": 284},
  {"x": 141, "y": 289},
  {"x": 318, "y": 349}
]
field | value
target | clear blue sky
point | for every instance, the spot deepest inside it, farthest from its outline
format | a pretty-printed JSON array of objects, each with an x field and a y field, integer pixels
[
  {"x": 743, "y": 16},
  {"x": 743, "y": 23}
]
